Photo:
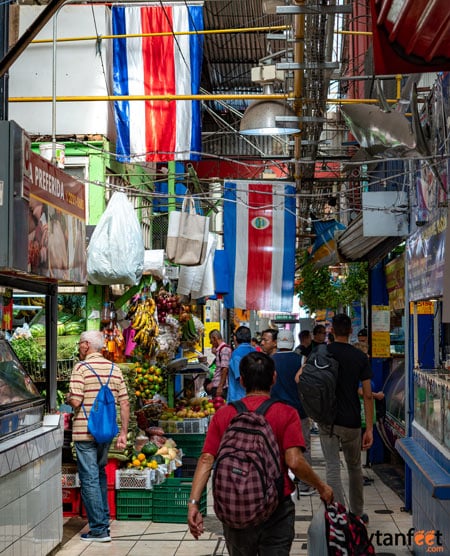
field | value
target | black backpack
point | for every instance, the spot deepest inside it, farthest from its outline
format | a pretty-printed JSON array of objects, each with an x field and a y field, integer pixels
[
  {"x": 248, "y": 480},
  {"x": 317, "y": 386},
  {"x": 102, "y": 420}
]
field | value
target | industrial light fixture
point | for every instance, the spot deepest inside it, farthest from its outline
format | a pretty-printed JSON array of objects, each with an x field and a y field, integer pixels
[{"x": 268, "y": 116}]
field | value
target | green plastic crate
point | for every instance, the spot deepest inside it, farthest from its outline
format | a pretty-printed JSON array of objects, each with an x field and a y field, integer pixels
[
  {"x": 191, "y": 444},
  {"x": 170, "y": 501},
  {"x": 134, "y": 505}
]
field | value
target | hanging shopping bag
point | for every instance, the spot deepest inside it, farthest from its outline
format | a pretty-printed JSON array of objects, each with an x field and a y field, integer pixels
[
  {"x": 172, "y": 234},
  {"x": 188, "y": 245},
  {"x": 117, "y": 232}
]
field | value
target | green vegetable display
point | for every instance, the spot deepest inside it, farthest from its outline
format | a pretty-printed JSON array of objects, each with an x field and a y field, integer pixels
[{"x": 27, "y": 349}]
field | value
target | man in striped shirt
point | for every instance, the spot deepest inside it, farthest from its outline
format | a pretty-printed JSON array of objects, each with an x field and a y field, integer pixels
[{"x": 92, "y": 456}]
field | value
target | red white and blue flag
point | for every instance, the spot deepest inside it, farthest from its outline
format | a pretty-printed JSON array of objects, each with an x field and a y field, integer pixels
[
  {"x": 259, "y": 239},
  {"x": 159, "y": 130}
]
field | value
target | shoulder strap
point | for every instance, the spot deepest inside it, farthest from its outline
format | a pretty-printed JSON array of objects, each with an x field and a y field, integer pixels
[
  {"x": 239, "y": 406},
  {"x": 98, "y": 378},
  {"x": 262, "y": 409},
  {"x": 221, "y": 348}
]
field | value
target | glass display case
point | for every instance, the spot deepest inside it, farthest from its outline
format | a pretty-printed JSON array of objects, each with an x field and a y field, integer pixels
[
  {"x": 432, "y": 402},
  {"x": 394, "y": 392},
  {"x": 21, "y": 405}
]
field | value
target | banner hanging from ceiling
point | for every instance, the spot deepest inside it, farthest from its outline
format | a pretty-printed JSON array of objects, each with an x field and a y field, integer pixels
[
  {"x": 157, "y": 131},
  {"x": 259, "y": 239}
]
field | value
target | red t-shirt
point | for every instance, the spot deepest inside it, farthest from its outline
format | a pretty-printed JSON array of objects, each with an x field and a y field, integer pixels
[{"x": 283, "y": 419}]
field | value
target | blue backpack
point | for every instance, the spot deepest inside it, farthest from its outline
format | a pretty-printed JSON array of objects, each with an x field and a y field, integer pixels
[{"x": 102, "y": 420}]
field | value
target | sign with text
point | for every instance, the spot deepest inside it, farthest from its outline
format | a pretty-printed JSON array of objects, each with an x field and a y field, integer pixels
[
  {"x": 381, "y": 340},
  {"x": 56, "y": 222}
]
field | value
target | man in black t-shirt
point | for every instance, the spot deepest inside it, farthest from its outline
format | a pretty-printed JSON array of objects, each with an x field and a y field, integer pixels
[{"x": 354, "y": 369}]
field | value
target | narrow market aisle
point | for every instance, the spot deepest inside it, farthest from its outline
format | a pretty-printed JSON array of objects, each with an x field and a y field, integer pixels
[{"x": 388, "y": 523}]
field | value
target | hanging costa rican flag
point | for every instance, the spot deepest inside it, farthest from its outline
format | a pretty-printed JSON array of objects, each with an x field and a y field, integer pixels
[
  {"x": 157, "y": 130},
  {"x": 259, "y": 239}
]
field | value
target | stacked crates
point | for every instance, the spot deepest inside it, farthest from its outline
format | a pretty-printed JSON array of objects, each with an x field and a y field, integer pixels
[
  {"x": 170, "y": 501},
  {"x": 71, "y": 496},
  {"x": 164, "y": 503}
]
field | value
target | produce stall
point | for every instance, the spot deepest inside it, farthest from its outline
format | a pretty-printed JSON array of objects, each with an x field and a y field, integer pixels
[
  {"x": 159, "y": 354},
  {"x": 42, "y": 234}
]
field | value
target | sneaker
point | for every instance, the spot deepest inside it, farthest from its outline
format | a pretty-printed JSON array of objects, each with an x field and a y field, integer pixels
[
  {"x": 365, "y": 519},
  {"x": 308, "y": 491},
  {"x": 95, "y": 538}
]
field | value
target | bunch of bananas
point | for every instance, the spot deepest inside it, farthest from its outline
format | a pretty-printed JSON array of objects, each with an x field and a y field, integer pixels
[
  {"x": 143, "y": 320},
  {"x": 188, "y": 331}
]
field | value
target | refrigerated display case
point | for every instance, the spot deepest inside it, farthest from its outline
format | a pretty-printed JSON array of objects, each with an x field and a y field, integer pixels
[{"x": 21, "y": 405}]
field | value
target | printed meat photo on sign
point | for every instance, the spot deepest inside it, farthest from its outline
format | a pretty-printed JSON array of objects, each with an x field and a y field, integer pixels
[{"x": 58, "y": 260}]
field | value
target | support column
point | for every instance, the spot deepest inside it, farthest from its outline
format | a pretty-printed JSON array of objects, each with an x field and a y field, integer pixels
[{"x": 4, "y": 39}]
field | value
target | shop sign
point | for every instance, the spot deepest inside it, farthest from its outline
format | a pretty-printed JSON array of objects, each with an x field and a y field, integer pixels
[
  {"x": 380, "y": 339},
  {"x": 56, "y": 222},
  {"x": 425, "y": 256},
  {"x": 395, "y": 282}
]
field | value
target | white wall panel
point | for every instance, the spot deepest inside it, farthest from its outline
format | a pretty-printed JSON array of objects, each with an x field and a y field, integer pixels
[{"x": 79, "y": 73}]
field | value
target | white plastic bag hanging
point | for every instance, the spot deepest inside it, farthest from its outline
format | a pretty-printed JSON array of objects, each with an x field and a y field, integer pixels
[{"x": 116, "y": 251}]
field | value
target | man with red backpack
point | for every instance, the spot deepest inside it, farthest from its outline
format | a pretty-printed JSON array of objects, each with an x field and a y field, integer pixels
[{"x": 239, "y": 502}]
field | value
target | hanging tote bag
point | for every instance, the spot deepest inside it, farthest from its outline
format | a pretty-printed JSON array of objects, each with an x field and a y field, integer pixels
[{"x": 188, "y": 244}]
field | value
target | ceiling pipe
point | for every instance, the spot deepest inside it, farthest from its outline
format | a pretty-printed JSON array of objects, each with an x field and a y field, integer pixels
[
  {"x": 167, "y": 34},
  {"x": 299, "y": 57},
  {"x": 169, "y": 97}
]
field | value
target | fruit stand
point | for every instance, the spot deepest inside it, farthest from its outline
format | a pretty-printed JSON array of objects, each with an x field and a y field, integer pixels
[{"x": 159, "y": 354}]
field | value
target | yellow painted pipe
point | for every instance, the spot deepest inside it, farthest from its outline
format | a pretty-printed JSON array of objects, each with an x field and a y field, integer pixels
[
  {"x": 170, "y": 98},
  {"x": 299, "y": 56},
  {"x": 176, "y": 33},
  {"x": 166, "y": 34}
]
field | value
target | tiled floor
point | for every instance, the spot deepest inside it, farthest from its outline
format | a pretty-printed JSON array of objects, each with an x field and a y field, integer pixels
[{"x": 141, "y": 538}]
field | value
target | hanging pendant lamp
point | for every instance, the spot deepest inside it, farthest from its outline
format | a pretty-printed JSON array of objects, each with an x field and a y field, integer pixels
[{"x": 269, "y": 117}]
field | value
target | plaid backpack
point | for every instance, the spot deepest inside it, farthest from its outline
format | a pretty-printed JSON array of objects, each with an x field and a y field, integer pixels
[
  {"x": 247, "y": 481},
  {"x": 346, "y": 533}
]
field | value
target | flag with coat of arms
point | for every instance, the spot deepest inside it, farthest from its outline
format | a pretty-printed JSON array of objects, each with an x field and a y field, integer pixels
[{"x": 259, "y": 240}]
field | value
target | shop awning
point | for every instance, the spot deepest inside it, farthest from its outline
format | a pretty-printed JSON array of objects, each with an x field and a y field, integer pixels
[{"x": 353, "y": 246}]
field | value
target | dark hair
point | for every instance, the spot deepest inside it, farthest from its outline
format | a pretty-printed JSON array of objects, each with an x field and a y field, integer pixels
[
  {"x": 255, "y": 339},
  {"x": 362, "y": 332},
  {"x": 342, "y": 324},
  {"x": 215, "y": 334},
  {"x": 273, "y": 332},
  {"x": 243, "y": 335},
  {"x": 318, "y": 328},
  {"x": 304, "y": 334},
  {"x": 257, "y": 371}
]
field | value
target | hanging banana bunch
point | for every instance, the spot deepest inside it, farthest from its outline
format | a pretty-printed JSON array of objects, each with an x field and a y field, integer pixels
[
  {"x": 188, "y": 330},
  {"x": 143, "y": 321}
]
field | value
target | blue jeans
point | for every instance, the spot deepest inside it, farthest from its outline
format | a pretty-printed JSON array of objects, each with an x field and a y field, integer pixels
[
  {"x": 350, "y": 440},
  {"x": 272, "y": 538},
  {"x": 92, "y": 458}
]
